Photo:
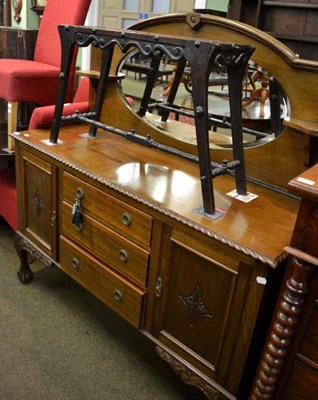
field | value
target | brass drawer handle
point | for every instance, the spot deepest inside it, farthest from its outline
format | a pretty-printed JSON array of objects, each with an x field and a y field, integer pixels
[
  {"x": 75, "y": 263},
  {"x": 126, "y": 218},
  {"x": 118, "y": 295},
  {"x": 123, "y": 255}
]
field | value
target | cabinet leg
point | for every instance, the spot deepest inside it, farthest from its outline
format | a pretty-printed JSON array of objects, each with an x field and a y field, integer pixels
[
  {"x": 27, "y": 254},
  {"x": 190, "y": 377},
  {"x": 25, "y": 273}
]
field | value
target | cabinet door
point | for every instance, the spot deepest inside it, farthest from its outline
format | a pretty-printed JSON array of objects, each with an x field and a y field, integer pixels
[
  {"x": 202, "y": 292},
  {"x": 38, "y": 202}
]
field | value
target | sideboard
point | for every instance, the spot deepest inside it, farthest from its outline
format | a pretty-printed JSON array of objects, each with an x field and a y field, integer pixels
[{"x": 201, "y": 289}]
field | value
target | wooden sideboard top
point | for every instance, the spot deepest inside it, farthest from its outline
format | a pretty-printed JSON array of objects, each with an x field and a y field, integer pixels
[{"x": 170, "y": 185}]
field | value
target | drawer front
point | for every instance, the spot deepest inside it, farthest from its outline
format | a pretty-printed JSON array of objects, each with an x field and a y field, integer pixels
[
  {"x": 116, "y": 292},
  {"x": 106, "y": 209},
  {"x": 115, "y": 250}
]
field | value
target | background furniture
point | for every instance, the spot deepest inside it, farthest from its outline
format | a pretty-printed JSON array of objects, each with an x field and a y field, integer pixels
[
  {"x": 288, "y": 369},
  {"x": 294, "y": 23},
  {"x": 25, "y": 80},
  {"x": 5, "y": 13}
]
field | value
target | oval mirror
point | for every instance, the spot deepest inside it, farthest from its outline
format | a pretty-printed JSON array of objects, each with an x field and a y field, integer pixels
[{"x": 264, "y": 102}]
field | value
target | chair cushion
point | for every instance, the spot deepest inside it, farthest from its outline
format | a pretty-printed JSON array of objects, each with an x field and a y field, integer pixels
[
  {"x": 8, "y": 198},
  {"x": 82, "y": 92},
  {"x": 25, "y": 80},
  {"x": 42, "y": 117}
]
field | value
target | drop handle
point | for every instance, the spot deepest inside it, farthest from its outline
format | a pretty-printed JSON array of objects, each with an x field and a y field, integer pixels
[
  {"x": 53, "y": 219},
  {"x": 158, "y": 288},
  {"x": 77, "y": 217},
  {"x": 123, "y": 255}
]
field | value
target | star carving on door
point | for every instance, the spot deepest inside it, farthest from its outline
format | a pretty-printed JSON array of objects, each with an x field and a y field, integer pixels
[
  {"x": 38, "y": 204},
  {"x": 196, "y": 308}
]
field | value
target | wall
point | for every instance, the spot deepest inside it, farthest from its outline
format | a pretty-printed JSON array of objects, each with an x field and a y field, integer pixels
[
  {"x": 219, "y": 5},
  {"x": 29, "y": 19}
]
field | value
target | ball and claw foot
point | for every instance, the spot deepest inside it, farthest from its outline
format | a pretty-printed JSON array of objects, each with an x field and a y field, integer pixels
[{"x": 25, "y": 275}]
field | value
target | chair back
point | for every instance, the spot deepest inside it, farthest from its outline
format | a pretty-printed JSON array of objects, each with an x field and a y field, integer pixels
[{"x": 57, "y": 12}]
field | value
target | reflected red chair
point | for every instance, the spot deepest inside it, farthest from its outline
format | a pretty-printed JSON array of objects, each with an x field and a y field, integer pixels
[{"x": 36, "y": 81}]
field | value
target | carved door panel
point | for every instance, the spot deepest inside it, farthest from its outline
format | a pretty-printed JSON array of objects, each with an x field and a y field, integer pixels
[
  {"x": 38, "y": 202},
  {"x": 202, "y": 296}
]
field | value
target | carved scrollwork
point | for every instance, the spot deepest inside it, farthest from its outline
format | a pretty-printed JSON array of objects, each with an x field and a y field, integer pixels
[
  {"x": 38, "y": 204},
  {"x": 28, "y": 254},
  {"x": 196, "y": 308},
  {"x": 35, "y": 254},
  {"x": 190, "y": 377}
]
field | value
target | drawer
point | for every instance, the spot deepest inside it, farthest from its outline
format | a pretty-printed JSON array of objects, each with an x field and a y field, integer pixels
[
  {"x": 110, "y": 247},
  {"x": 108, "y": 210},
  {"x": 112, "y": 289}
]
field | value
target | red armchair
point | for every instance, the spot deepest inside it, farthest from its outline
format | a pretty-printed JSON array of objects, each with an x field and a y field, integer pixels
[
  {"x": 36, "y": 81},
  {"x": 42, "y": 117},
  {"x": 8, "y": 198}
]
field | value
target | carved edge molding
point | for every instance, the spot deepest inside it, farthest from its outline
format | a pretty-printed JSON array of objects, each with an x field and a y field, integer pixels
[
  {"x": 157, "y": 207},
  {"x": 22, "y": 244},
  {"x": 189, "y": 377},
  {"x": 282, "y": 331}
]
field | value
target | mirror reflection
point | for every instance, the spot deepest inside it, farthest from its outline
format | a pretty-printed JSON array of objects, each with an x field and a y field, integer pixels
[{"x": 264, "y": 103}]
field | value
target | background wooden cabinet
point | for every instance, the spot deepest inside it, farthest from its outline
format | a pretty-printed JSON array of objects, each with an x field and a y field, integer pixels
[{"x": 295, "y": 23}]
